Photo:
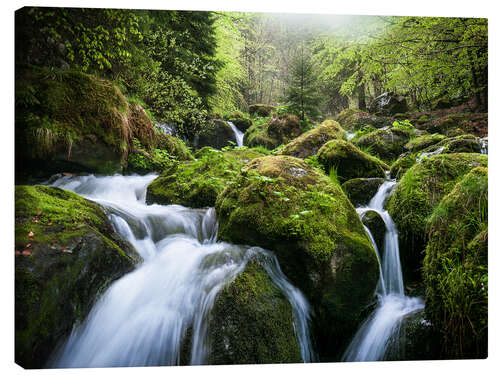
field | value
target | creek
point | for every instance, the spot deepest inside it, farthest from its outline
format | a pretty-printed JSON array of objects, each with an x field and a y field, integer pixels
[{"x": 143, "y": 318}]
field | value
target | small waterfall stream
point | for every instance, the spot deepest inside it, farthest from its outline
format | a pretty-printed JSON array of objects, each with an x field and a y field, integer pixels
[
  {"x": 371, "y": 341},
  {"x": 142, "y": 319},
  {"x": 237, "y": 133}
]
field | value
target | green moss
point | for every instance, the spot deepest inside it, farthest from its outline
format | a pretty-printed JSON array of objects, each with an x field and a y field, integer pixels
[
  {"x": 421, "y": 189},
  {"x": 308, "y": 143},
  {"x": 402, "y": 164},
  {"x": 251, "y": 322},
  {"x": 69, "y": 120},
  {"x": 197, "y": 183},
  {"x": 270, "y": 132},
  {"x": 387, "y": 144},
  {"x": 70, "y": 254},
  {"x": 283, "y": 204},
  {"x": 262, "y": 110},
  {"x": 456, "y": 267},
  {"x": 349, "y": 161},
  {"x": 355, "y": 119},
  {"x": 424, "y": 141}
]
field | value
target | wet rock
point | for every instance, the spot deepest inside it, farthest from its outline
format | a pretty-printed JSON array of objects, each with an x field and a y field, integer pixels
[
  {"x": 388, "y": 104},
  {"x": 361, "y": 190}
]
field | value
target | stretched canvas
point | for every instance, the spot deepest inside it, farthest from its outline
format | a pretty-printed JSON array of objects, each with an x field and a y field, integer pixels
[{"x": 220, "y": 187}]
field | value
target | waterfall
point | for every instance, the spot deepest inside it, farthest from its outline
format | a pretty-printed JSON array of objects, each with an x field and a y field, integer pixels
[
  {"x": 237, "y": 134},
  {"x": 142, "y": 319},
  {"x": 371, "y": 341}
]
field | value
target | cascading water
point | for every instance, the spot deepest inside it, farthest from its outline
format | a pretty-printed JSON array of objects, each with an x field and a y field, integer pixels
[
  {"x": 142, "y": 319},
  {"x": 372, "y": 339},
  {"x": 237, "y": 133}
]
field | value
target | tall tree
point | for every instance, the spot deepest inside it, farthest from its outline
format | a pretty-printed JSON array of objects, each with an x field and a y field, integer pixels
[{"x": 301, "y": 93}]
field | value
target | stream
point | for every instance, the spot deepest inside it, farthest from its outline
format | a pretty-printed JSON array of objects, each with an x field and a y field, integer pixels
[
  {"x": 142, "y": 318},
  {"x": 376, "y": 333}
]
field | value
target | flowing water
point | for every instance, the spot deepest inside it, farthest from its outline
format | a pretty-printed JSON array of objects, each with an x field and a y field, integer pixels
[
  {"x": 142, "y": 319},
  {"x": 372, "y": 339},
  {"x": 238, "y": 134}
]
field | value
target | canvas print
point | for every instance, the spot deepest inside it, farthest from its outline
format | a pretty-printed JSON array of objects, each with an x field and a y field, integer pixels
[{"x": 210, "y": 187}]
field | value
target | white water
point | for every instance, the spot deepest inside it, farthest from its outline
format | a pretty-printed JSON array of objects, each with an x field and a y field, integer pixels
[
  {"x": 484, "y": 145},
  {"x": 427, "y": 154},
  {"x": 371, "y": 341},
  {"x": 238, "y": 134},
  {"x": 350, "y": 135},
  {"x": 142, "y": 319}
]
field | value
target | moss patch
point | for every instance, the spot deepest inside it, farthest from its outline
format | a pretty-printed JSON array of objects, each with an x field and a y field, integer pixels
[
  {"x": 349, "y": 161},
  {"x": 423, "y": 142},
  {"x": 66, "y": 255},
  {"x": 273, "y": 131},
  {"x": 355, "y": 119},
  {"x": 421, "y": 189},
  {"x": 456, "y": 267},
  {"x": 262, "y": 110},
  {"x": 197, "y": 183},
  {"x": 283, "y": 204},
  {"x": 387, "y": 144},
  {"x": 251, "y": 322},
  {"x": 402, "y": 164},
  {"x": 308, "y": 143}
]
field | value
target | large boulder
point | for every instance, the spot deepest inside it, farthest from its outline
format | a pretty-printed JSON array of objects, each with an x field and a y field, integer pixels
[
  {"x": 361, "y": 190},
  {"x": 387, "y": 144},
  {"x": 354, "y": 119},
  {"x": 197, "y": 183},
  {"x": 273, "y": 132},
  {"x": 72, "y": 121},
  {"x": 458, "y": 144},
  {"x": 241, "y": 121},
  {"x": 388, "y": 104},
  {"x": 308, "y": 143},
  {"x": 456, "y": 267},
  {"x": 420, "y": 190},
  {"x": 349, "y": 161},
  {"x": 283, "y": 204},
  {"x": 262, "y": 110},
  {"x": 251, "y": 322},
  {"x": 424, "y": 141},
  {"x": 402, "y": 164},
  {"x": 66, "y": 255},
  {"x": 217, "y": 134}
]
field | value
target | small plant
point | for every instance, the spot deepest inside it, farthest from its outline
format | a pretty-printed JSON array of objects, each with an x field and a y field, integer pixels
[{"x": 404, "y": 125}]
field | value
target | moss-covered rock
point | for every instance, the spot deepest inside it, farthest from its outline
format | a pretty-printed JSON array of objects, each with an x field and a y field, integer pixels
[
  {"x": 458, "y": 144},
  {"x": 72, "y": 121},
  {"x": 416, "y": 340},
  {"x": 252, "y": 323},
  {"x": 354, "y": 119},
  {"x": 420, "y": 190},
  {"x": 424, "y": 141},
  {"x": 456, "y": 267},
  {"x": 387, "y": 144},
  {"x": 197, "y": 183},
  {"x": 361, "y": 190},
  {"x": 272, "y": 132},
  {"x": 308, "y": 143},
  {"x": 217, "y": 134},
  {"x": 349, "y": 161},
  {"x": 240, "y": 120},
  {"x": 262, "y": 110},
  {"x": 283, "y": 204},
  {"x": 402, "y": 164},
  {"x": 66, "y": 255}
]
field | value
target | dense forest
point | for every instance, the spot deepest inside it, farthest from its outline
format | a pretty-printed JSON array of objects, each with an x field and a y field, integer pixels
[{"x": 249, "y": 146}]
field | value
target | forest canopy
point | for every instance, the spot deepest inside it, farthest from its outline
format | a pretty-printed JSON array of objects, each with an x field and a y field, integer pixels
[{"x": 184, "y": 65}]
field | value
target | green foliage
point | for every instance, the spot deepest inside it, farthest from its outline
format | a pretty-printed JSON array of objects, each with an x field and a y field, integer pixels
[
  {"x": 456, "y": 268},
  {"x": 404, "y": 125},
  {"x": 301, "y": 93}
]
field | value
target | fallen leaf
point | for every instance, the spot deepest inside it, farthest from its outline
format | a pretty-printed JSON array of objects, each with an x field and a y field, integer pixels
[
  {"x": 31, "y": 234},
  {"x": 17, "y": 252},
  {"x": 35, "y": 220},
  {"x": 50, "y": 223},
  {"x": 28, "y": 245},
  {"x": 26, "y": 253}
]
